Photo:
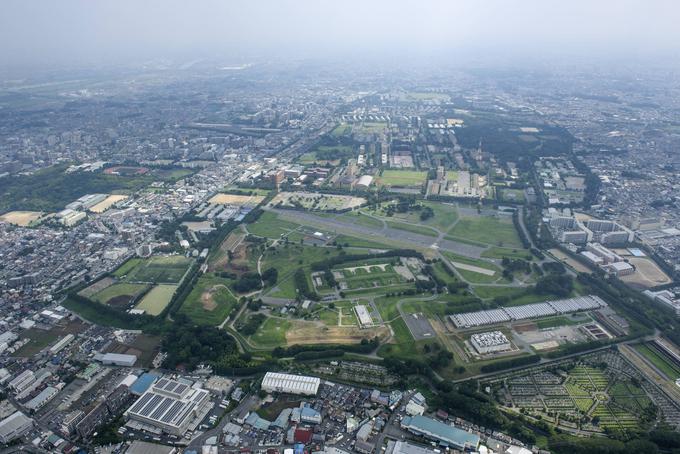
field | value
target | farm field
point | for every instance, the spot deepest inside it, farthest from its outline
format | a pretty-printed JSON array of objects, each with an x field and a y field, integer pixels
[
  {"x": 119, "y": 294},
  {"x": 210, "y": 301},
  {"x": 402, "y": 178},
  {"x": 159, "y": 269},
  {"x": 157, "y": 299}
]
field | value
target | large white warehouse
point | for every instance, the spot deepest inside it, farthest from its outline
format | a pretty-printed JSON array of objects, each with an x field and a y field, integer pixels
[{"x": 290, "y": 384}]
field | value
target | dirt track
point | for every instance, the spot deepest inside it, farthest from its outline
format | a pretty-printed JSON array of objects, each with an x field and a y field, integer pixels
[{"x": 305, "y": 333}]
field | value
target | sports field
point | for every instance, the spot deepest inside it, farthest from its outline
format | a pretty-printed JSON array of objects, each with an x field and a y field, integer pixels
[
  {"x": 157, "y": 299},
  {"x": 21, "y": 218},
  {"x": 107, "y": 203},
  {"x": 647, "y": 273},
  {"x": 402, "y": 178},
  {"x": 120, "y": 294},
  {"x": 156, "y": 270},
  {"x": 233, "y": 199},
  {"x": 210, "y": 301}
]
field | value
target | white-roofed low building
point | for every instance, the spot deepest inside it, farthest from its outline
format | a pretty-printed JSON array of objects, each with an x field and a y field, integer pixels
[
  {"x": 290, "y": 384},
  {"x": 14, "y": 426},
  {"x": 116, "y": 359}
]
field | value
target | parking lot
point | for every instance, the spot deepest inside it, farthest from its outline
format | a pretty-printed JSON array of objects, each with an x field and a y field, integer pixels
[{"x": 419, "y": 326}]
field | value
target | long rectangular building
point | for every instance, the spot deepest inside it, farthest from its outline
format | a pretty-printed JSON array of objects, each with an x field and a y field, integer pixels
[
  {"x": 171, "y": 406},
  {"x": 290, "y": 384},
  {"x": 441, "y": 433},
  {"x": 528, "y": 311}
]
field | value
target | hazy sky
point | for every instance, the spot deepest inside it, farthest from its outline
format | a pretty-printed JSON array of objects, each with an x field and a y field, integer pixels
[{"x": 48, "y": 32}]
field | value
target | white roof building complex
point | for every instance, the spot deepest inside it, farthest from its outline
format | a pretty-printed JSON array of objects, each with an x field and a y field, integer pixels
[
  {"x": 493, "y": 341},
  {"x": 290, "y": 384},
  {"x": 528, "y": 311}
]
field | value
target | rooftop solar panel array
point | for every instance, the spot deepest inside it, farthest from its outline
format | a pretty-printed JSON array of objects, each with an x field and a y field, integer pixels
[
  {"x": 494, "y": 316},
  {"x": 160, "y": 404}
]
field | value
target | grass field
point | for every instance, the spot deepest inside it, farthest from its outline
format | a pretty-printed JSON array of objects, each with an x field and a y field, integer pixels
[
  {"x": 39, "y": 339},
  {"x": 487, "y": 229},
  {"x": 119, "y": 294},
  {"x": 341, "y": 130},
  {"x": 495, "y": 252},
  {"x": 471, "y": 275},
  {"x": 370, "y": 127},
  {"x": 210, "y": 301},
  {"x": 359, "y": 218},
  {"x": 352, "y": 241},
  {"x": 419, "y": 229},
  {"x": 271, "y": 333},
  {"x": 158, "y": 270},
  {"x": 157, "y": 299},
  {"x": 402, "y": 345},
  {"x": 402, "y": 178},
  {"x": 659, "y": 360},
  {"x": 287, "y": 259},
  {"x": 270, "y": 226},
  {"x": 444, "y": 217}
]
